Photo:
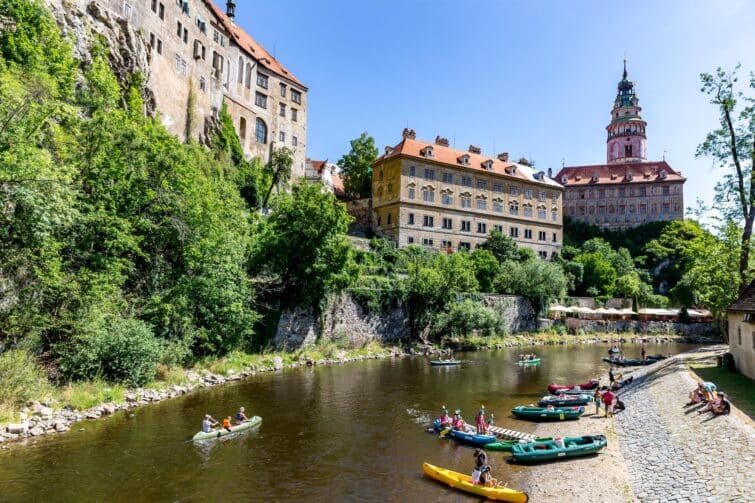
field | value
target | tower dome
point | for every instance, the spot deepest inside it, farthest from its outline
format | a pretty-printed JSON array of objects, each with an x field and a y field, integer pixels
[{"x": 626, "y": 140}]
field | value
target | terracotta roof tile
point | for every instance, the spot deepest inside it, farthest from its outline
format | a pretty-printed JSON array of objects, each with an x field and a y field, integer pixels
[
  {"x": 338, "y": 189},
  {"x": 641, "y": 172},
  {"x": 447, "y": 155},
  {"x": 251, "y": 46}
]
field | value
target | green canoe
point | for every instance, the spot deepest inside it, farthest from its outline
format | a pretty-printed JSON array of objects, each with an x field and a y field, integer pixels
[
  {"x": 545, "y": 414},
  {"x": 534, "y": 452},
  {"x": 534, "y": 361},
  {"x": 222, "y": 432},
  {"x": 506, "y": 444}
]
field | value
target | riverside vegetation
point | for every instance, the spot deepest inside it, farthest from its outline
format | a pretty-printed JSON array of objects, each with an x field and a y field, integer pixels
[{"x": 128, "y": 255}]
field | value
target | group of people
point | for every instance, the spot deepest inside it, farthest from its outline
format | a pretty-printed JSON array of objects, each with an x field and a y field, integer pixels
[
  {"x": 618, "y": 382},
  {"x": 208, "y": 423},
  {"x": 706, "y": 392},
  {"x": 609, "y": 399},
  {"x": 457, "y": 422},
  {"x": 527, "y": 357}
]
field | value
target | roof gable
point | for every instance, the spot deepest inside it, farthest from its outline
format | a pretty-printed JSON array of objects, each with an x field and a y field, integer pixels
[{"x": 746, "y": 301}]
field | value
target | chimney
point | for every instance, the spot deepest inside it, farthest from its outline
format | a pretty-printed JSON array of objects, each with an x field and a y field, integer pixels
[
  {"x": 550, "y": 173},
  {"x": 503, "y": 156},
  {"x": 230, "y": 10},
  {"x": 524, "y": 161},
  {"x": 409, "y": 133},
  {"x": 443, "y": 142},
  {"x": 475, "y": 150}
]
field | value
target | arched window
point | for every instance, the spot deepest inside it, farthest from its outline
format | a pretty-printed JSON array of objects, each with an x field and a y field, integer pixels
[
  {"x": 241, "y": 70},
  {"x": 248, "y": 76},
  {"x": 260, "y": 133},
  {"x": 242, "y": 129}
]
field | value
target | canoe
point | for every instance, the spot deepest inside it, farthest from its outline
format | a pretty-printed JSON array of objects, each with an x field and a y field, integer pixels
[
  {"x": 574, "y": 392},
  {"x": 629, "y": 362},
  {"x": 555, "y": 388},
  {"x": 655, "y": 357},
  {"x": 543, "y": 414},
  {"x": 566, "y": 401},
  {"x": 467, "y": 437},
  {"x": 506, "y": 445},
  {"x": 534, "y": 452},
  {"x": 463, "y": 482},
  {"x": 534, "y": 361},
  {"x": 222, "y": 432},
  {"x": 445, "y": 362}
]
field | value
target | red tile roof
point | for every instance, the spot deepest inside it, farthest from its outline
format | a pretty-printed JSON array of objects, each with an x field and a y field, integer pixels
[
  {"x": 338, "y": 189},
  {"x": 318, "y": 165},
  {"x": 636, "y": 172},
  {"x": 251, "y": 46},
  {"x": 446, "y": 155}
]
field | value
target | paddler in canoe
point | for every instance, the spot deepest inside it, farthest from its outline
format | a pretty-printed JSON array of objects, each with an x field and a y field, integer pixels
[
  {"x": 458, "y": 423},
  {"x": 482, "y": 426},
  {"x": 445, "y": 420},
  {"x": 240, "y": 416},
  {"x": 208, "y": 422}
]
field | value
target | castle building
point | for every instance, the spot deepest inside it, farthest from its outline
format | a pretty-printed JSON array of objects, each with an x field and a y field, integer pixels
[
  {"x": 447, "y": 199},
  {"x": 199, "y": 58},
  {"x": 628, "y": 190}
]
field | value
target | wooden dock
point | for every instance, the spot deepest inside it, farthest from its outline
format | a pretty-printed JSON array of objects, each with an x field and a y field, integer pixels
[{"x": 506, "y": 434}]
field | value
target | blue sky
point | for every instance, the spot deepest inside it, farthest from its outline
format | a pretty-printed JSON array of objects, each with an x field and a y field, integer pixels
[{"x": 536, "y": 79}]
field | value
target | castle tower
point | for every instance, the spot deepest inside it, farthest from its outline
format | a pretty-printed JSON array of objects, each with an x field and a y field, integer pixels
[{"x": 626, "y": 132}]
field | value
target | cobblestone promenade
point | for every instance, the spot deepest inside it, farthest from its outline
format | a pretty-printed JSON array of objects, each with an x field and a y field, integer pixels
[{"x": 674, "y": 454}]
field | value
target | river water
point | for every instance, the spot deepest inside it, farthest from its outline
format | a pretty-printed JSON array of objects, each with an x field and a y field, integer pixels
[{"x": 337, "y": 433}]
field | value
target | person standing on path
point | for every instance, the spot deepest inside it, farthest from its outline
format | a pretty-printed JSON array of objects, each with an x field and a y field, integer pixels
[
  {"x": 608, "y": 398},
  {"x": 596, "y": 398},
  {"x": 611, "y": 379}
]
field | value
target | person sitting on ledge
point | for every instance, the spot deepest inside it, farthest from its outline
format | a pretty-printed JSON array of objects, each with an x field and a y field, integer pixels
[{"x": 718, "y": 406}]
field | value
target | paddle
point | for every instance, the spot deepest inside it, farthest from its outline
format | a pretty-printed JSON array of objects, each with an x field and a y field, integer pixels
[{"x": 444, "y": 432}]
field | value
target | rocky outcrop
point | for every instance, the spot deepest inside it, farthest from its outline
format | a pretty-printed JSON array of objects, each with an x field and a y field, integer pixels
[{"x": 81, "y": 21}]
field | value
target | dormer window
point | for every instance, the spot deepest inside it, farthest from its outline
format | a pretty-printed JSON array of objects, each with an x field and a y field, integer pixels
[
  {"x": 511, "y": 169},
  {"x": 388, "y": 150},
  {"x": 488, "y": 165},
  {"x": 564, "y": 180},
  {"x": 540, "y": 175},
  {"x": 663, "y": 174},
  {"x": 427, "y": 151},
  {"x": 463, "y": 159},
  {"x": 595, "y": 177},
  {"x": 630, "y": 177}
]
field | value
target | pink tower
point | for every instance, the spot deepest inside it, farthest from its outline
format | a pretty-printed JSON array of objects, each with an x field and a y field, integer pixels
[{"x": 626, "y": 132}]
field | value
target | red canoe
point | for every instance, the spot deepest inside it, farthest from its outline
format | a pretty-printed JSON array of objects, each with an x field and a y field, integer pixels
[{"x": 555, "y": 388}]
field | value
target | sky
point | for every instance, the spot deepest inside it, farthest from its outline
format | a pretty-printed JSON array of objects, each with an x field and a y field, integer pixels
[{"x": 536, "y": 79}]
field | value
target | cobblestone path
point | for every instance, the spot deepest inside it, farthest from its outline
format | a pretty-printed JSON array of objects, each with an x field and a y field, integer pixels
[{"x": 673, "y": 453}]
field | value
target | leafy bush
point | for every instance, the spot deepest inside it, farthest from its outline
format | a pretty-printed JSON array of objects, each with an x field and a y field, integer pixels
[
  {"x": 466, "y": 317},
  {"x": 125, "y": 351},
  {"x": 21, "y": 379}
]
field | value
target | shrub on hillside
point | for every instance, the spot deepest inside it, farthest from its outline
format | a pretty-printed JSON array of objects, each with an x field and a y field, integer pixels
[
  {"x": 21, "y": 379},
  {"x": 466, "y": 317},
  {"x": 124, "y": 351}
]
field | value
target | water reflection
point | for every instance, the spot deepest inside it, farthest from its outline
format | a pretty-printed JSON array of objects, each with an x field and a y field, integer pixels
[{"x": 350, "y": 432}]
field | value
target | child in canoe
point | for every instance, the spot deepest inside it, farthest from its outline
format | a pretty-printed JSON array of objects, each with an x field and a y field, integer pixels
[
  {"x": 482, "y": 426},
  {"x": 445, "y": 420},
  {"x": 227, "y": 423},
  {"x": 481, "y": 474},
  {"x": 241, "y": 416},
  {"x": 458, "y": 423}
]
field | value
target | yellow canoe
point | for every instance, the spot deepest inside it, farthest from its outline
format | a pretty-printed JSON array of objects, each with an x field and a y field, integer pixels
[{"x": 464, "y": 483}]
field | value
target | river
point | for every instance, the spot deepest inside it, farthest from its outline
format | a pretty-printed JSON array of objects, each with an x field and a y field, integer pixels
[{"x": 333, "y": 433}]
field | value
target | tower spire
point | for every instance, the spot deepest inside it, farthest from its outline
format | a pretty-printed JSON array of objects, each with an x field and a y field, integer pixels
[{"x": 624, "y": 76}]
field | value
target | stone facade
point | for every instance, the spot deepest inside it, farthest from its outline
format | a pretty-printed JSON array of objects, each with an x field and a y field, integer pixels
[
  {"x": 628, "y": 190},
  {"x": 432, "y": 195},
  {"x": 197, "y": 59}
]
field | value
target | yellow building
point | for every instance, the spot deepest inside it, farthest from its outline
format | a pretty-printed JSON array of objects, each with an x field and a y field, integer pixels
[
  {"x": 741, "y": 318},
  {"x": 433, "y": 195}
]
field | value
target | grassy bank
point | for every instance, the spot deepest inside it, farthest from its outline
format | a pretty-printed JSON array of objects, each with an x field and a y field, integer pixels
[
  {"x": 28, "y": 383},
  {"x": 740, "y": 388}
]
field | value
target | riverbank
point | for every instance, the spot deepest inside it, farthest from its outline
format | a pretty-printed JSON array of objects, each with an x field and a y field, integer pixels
[
  {"x": 56, "y": 409},
  {"x": 659, "y": 449}
]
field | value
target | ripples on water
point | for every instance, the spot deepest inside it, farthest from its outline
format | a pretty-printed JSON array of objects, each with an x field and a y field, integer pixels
[{"x": 350, "y": 432}]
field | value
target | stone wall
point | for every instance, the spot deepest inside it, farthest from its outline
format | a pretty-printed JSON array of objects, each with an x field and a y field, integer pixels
[
  {"x": 640, "y": 327},
  {"x": 344, "y": 320},
  {"x": 517, "y": 313}
]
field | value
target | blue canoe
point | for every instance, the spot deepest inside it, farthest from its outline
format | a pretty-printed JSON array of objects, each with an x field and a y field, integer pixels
[{"x": 467, "y": 438}]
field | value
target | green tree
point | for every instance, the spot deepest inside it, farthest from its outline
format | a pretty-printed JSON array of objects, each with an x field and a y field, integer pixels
[
  {"x": 301, "y": 248},
  {"x": 536, "y": 279},
  {"x": 279, "y": 167},
  {"x": 504, "y": 248},
  {"x": 465, "y": 317},
  {"x": 356, "y": 166},
  {"x": 486, "y": 268},
  {"x": 732, "y": 146}
]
